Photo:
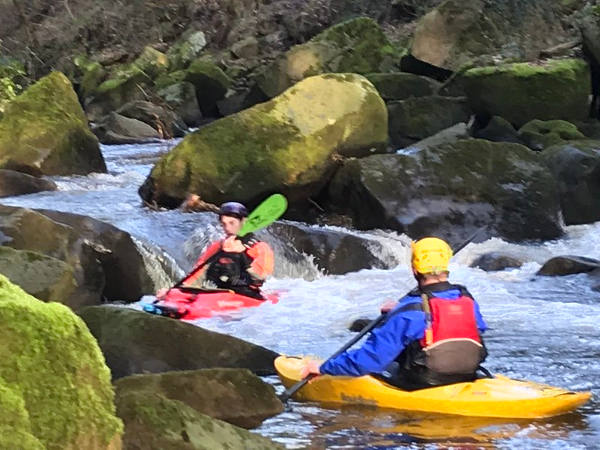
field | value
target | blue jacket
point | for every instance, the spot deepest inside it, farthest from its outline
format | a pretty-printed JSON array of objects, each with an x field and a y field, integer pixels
[{"x": 387, "y": 341}]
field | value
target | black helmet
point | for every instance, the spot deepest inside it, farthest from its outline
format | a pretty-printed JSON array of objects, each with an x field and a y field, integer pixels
[{"x": 233, "y": 209}]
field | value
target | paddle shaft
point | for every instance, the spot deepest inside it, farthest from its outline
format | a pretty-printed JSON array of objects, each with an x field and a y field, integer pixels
[{"x": 300, "y": 384}]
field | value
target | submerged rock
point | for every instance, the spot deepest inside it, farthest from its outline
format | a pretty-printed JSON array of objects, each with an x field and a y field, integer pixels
[
  {"x": 17, "y": 183},
  {"x": 356, "y": 46},
  {"x": 522, "y": 92},
  {"x": 155, "y": 422},
  {"x": 576, "y": 166},
  {"x": 138, "y": 342},
  {"x": 451, "y": 190},
  {"x": 289, "y": 144},
  {"x": 55, "y": 389},
  {"x": 233, "y": 395},
  {"x": 568, "y": 265},
  {"x": 45, "y": 132},
  {"x": 496, "y": 261}
]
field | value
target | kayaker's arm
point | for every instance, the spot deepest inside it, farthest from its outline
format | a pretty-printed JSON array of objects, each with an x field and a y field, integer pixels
[
  {"x": 381, "y": 348},
  {"x": 262, "y": 263},
  {"x": 480, "y": 322}
]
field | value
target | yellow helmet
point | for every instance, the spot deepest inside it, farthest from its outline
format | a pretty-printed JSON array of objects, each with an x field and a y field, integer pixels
[{"x": 431, "y": 255}]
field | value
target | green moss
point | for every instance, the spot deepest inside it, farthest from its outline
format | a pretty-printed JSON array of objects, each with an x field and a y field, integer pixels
[
  {"x": 45, "y": 131},
  {"x": 186, "y": 49},
  {"x": 170, "y": 79},
  {"x": 539, "y": 134},
  {"x": 58, "y": 370}
]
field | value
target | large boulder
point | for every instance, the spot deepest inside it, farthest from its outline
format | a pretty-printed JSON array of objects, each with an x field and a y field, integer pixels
[
  {"x": 334, "y": 251},
  {"x": 401, "y": 85},
  {"x": 163, "y": 120},
  {"x": 44, "y": 131},
  {"x": 522, "y": 92},
  {"x": 54, "y": 386},
  {"x": 155, "y": 422},
  {"x": 417, "y": 118},
  {"x": 234, "y": 395},
  {"x": 450, "y": 190},
  {"x": 289, "y": 144},
  {"x": 495, "y": 261},
  {"x": 357, "y": 46},
  {"x": 461, "y": 32},
  {"x": 115, "y": 129},
  {"x": 181, "y": 97},
  {"x": 568, "y": 265},
  {"x": 138, "y": 342},
  {"x": 17, "y": 183},
  {"x": 540, "y": 134},
  {"x": 186, "y": 49},
  {"x": 576, "y": 166},
  {"x": 104, "y": 261}
]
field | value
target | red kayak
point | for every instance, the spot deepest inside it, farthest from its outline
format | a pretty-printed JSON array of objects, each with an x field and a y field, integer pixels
[{"x": 192, "y": 303}]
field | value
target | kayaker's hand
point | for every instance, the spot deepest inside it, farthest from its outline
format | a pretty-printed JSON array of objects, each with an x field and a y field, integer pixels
[
  {"x": 160, "y": 294},
  {"x": 311, "y": 368},
  {"x": 234, "y": 245},
  {"x": 388, "y": 306}
]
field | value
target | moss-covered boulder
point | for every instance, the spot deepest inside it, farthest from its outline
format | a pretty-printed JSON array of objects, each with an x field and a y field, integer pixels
[
  {"x": 356, "y": 46},
  {"x": 211, "y": 84},
  {"x": 152, "y": 62},
  {"x": 181, "y": 97},
  {"x": 523, "y": 92},
  {"x": 92, "y": 73},
  {"x": 540, "y": 134},
  {"x": 15, "y": 430},
  {"x": 452, "y": 189},
  {"x": 18, "y": 183},
  {"x": 234, "y": 395},
  {"x": 154, "y": 422},
  {"x": 46, "y": 278},
  {"x": 44, "y": 131},
  {"x": 186, "y": 49},
  {"x": 576, "y": 166},
  {"x": 54, "y": 376},
  {"x": 416, "y": 118},
  {"x": 289, "y": 144},
  {"x": 460, "y": 32},
  {"x": 138, "y": 342},
  {"x": 400, "y": 85}
]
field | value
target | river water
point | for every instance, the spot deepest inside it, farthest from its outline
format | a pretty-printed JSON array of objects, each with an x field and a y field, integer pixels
[{"x": 541, "y": 329}]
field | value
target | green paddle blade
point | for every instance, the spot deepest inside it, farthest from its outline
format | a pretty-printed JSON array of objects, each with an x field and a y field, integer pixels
[{"x": 265, "y": 214}]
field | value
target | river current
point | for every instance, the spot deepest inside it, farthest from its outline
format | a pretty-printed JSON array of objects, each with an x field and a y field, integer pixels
[{"x": 543, "y": 329}]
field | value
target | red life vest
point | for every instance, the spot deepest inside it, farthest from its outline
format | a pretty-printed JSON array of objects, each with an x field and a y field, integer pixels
[{"x": 449, "y": 320}]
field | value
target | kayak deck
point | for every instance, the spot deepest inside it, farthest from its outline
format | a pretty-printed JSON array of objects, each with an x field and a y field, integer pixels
[
  {"x": 206, "y": 304},
  {"x": 499, "y": 397}
]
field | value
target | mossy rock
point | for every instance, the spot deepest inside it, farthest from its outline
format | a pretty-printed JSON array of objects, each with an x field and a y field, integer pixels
[
  {"x": 450, "y": 190},
  {"x": 288, "y": 145},
  {"x": 467, "y": 32},
  {"x": 152, "y": 62},
  {"x": 417, "y": 118},
  {"x": 211, "y": 84},
  {"x": 42, "y": 276},
  {"x": 58, "y": 372},
  {"x": 44, "y": 131},
  {"x": 357, "y": 46},
  {"x": 539, "y": 134},
  {"x": 234, "y": 395},
  {"x": 523, "y": 92},
  {"x": 136, "y": 342},
  {"x": 170, "y": 78},
  {"x": 400, "y": 86},
  {"x": 15, "y": 430},
  {"x": 181, "y": 97},
  {"x": 154, "y": 422},
  {"x": 576, "y": 166},
  {"x": 186, "y": 49},
  {"x": 92, "y": 73}
]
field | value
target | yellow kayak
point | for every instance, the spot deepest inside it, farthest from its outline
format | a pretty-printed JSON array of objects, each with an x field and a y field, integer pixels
[{"x": 486, "y": 397}]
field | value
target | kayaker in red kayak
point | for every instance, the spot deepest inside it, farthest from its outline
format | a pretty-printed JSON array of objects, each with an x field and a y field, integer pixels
[
  {"x": 431, "y": 337},
  {"x": 240, "y": 264}
]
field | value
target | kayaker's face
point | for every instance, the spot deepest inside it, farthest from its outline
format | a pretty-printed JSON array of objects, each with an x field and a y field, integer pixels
[{"x": 231, "y": 225}]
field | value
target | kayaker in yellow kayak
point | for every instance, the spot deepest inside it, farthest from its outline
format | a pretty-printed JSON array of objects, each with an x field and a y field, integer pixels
[
  {"x": 240, "y": 264},
  {"x": 431, "y": 337}
]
